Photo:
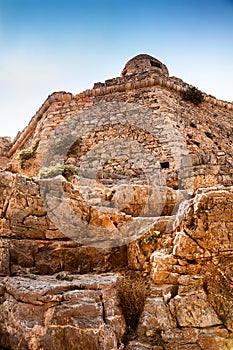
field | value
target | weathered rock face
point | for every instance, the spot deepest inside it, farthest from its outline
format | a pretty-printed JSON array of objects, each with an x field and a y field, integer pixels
[
  {"x": 189, "y": 303},
  {"x": 45, "y": 313},
  {"x": 191, "y": 298},
  {"x": 5, "y": 145},
  {"x": 31, "y": 243},
  {"x": 136, "y": 255}
]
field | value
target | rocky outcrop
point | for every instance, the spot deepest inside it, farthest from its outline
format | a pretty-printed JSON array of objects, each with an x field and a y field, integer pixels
[
  {"x": 189, "y": 300},
  {"x": 30, "y": 242},
  {"x": 48, "y": 313}
]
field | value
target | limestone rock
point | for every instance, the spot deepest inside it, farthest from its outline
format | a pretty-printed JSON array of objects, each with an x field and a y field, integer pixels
[
  {"x": 43, "y": 312},
  {"x": 135, "y": 345},
  {"x": 194, "y": 311}
]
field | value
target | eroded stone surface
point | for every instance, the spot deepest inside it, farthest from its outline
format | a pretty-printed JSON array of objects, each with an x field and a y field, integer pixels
[
  {"x": 43, "y": 312},
  {"x": 190, "y": 299}
]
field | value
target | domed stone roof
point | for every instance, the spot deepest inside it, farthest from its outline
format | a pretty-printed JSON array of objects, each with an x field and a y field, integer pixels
[{"x": 144, "y": 63}]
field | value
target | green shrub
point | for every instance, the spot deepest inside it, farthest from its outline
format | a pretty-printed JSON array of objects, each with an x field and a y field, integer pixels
[
  {"x": 26, "y": 154},
  {"x": 194, "y": 95},
  {"x": 151, "y": 237},
  {"x": 64, "y": 277},
  {"x": 58, "y": 169}
]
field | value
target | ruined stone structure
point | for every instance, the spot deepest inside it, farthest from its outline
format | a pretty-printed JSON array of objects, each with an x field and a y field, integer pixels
[
  {"x": 145, "y": 63},
  {"x": 127, "y": 244}
]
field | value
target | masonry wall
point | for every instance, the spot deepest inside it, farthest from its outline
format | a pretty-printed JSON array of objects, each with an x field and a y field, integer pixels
[{"x": 206, "y": 129}]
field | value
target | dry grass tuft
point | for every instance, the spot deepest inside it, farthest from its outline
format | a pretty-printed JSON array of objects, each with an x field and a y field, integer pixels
[{"x": 132, "y": 291}]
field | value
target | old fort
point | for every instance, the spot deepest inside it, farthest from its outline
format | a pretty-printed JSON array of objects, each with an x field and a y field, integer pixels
[{"x": 116, "y": 219}]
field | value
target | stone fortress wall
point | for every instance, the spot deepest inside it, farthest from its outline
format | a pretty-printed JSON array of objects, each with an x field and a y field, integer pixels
[
  {"x": 206, "y": 130},
  {"x": 66, "y": 103}
]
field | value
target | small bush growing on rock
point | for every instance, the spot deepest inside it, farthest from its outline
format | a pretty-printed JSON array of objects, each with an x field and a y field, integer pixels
[
  {"x": 194, "y": 95},
  {"x": 58, "y": 169},
  {"x": 152, "y": 237},
  {"x": 157, "y": 338},
  {"x": 132, "y": 291},
  {"x": 26, "y": 154},
  {"x": 64, "y": 277}
]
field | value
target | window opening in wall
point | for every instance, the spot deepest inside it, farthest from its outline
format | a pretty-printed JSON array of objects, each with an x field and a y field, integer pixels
[
  {"x": 164, "y": 165},
  {"x": 155, "y": 64}
]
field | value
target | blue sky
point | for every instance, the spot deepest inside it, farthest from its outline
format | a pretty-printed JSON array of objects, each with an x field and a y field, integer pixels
[{"x": 53, "y": 45}]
